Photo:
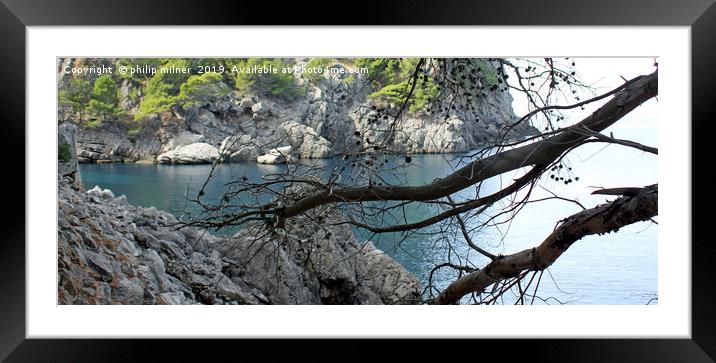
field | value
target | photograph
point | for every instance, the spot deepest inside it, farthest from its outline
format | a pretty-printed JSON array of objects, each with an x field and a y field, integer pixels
[{"x": 305, "y": 180}]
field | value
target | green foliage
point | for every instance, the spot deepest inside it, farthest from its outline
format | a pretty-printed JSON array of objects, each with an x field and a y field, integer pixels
[
  {"x": 397, "y": 93},
  {"x": 64, "y": 152},
  {"x": 393, "y": 93},
  {"x": 162, "y": 90},
  {"x": 201, "y": 89},
  {"x": 278, "y": 84},
  {"x": 92, "y": 123},
  {"x": 489, "y": 74},
  {"x": 318, "y": 63},
  {"x": 382, "y": 71},
  {"x": 134, "y": 93},
  {"x": 390, "y": 77},
  {"x": 104, "y": 97},
  {"x": 76, "y": 95}
]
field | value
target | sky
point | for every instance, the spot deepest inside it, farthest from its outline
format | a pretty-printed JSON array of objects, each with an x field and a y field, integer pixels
[{"x": 605, "y": 74}]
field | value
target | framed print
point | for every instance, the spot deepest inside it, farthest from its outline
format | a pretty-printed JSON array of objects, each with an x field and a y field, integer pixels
[{"x": 255, "y": 181}]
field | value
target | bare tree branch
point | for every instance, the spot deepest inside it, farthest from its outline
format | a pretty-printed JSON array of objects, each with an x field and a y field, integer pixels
[
  {"x": 604, "y": 218},
  {"x": 545, "y": 151}
]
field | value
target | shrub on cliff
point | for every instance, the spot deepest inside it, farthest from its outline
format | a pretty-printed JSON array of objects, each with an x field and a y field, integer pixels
[
  {"x": 76, "y": 96},
  {"x": 391, "y": 78},
  {"x": 162, "y": 90},
  {"x": 258, "y": 75},
  {"x": 104, "y": 98},
  {"x": 202, "y": 89},
  {"x": 317, "y": 63}
]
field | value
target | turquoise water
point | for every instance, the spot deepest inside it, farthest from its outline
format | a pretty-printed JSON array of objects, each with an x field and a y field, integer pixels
[{"x": 618, "y": 268}]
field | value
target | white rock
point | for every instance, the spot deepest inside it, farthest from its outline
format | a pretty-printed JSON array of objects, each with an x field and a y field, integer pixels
[
  {"x": 281, "y": 151},
  {"x": 277, "y": 156},
  {"x": 246, "y": 103},
  {"x": 102, "y": 193},
  {"x": 197, "y": 153}
]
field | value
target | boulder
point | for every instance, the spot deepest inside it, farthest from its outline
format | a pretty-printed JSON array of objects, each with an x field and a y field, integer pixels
[
  {"x": 246, "y": 103},
  {"x": 260, "y": 111},
  {"x": 196, "y": 153},
  {"x": 258, "y": 108},
  {"x": 101, "y": 193},
  {"x": 277, "y": 156}
]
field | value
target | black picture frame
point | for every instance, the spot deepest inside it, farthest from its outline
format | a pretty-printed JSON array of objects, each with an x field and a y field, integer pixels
[{"x": 16, "y": 15}]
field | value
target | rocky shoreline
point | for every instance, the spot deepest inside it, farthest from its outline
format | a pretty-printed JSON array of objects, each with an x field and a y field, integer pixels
[
  {"x": 110, "y": 252},
  {"x": 333, "y": 117}
]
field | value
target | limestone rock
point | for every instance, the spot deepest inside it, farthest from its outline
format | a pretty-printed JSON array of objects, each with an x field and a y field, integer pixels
[
  {"x": 392, "y": 284},
  {"x": 101, "y": 193},
  {"x": 110, "y": 252},
  {"x": 307, "y": 141},
  {"x": 277, "y": 156},
  {"x": 196, "y": 153}
]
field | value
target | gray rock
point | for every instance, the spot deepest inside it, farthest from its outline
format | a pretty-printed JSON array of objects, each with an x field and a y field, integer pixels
[
  {"x": 392, "y": 284},
  {"x": 246, "y": 103},
  {"x": 307, "y": 141},
  {"x": 144, "y": 261},
  {"x": 238, "y": 148},
  {"x": 100, "y": 264},
  {"x": 67, "y": 143},
  {"x": 172, "y": 298},
  {"x": 183, "y": 139},
  {"x": 261, "y": 111},
  {"x": 258, "y": 108},
  {"x": 129, "y": 291}
]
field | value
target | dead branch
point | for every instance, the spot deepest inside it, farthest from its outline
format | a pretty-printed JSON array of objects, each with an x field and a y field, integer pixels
[
  {"x": 545, "y": 151},
  {"x": 604, "y": 218}
]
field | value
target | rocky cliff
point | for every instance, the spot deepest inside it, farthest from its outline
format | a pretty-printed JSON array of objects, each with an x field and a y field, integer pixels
[
  {"x": 110, "y": 252},
  {"x": 333, "y": 116}
]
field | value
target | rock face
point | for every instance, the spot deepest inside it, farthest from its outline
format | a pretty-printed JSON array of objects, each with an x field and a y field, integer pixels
[
  {"x": 334, "y": 116},
  {"x": 196, "y": 153},
  {"x": 306, "y": 140},
  {"x": 67, "y": 168},
  {"x": 183, "y": 139},
  {"x": 110, "y": 144},
  {"x": 111, "y": 252}
]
